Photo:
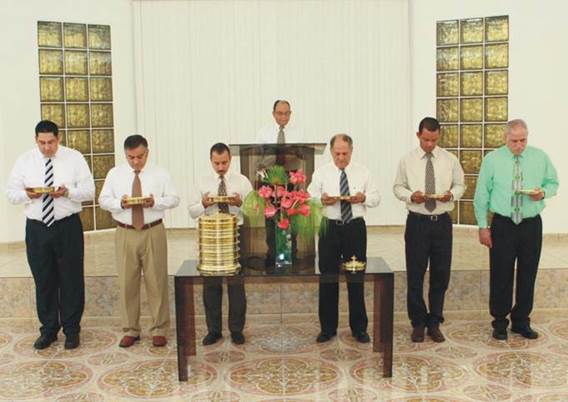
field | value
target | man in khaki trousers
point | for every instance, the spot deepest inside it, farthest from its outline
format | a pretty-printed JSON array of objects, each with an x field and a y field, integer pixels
[{"x": 137, "y": 195}]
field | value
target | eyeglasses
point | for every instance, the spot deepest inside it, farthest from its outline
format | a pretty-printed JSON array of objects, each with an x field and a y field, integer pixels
[{"x": 283, "y": 113}]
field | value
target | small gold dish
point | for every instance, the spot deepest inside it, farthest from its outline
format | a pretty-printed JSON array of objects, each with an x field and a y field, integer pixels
[
  {"x": 136, "y": 200},
  {"x": 41, "y": 190},
  {"x": 354, "y": 265},
  {"x": 528, "y": 191},
  {"x": 434, "y": 196},
  {"x": 341, "y": 197},
  {"x": 221, "y": 199}
]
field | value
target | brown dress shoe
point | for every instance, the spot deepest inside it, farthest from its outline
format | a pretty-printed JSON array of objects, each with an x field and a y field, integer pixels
[
  {"x": 159, "y": 340},
  {"x": 127, "y": 341},
  {"x": 417, "y": 334},
  {"x": 435, "y": 333}
]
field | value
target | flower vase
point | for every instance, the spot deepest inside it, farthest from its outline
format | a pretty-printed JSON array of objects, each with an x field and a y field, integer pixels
[{"x": 283, "y": 246}]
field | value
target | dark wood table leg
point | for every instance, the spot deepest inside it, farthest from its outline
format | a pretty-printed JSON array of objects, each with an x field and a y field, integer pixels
[
  {"x": 377, "y": 295},
  {"x": 185, "y": 323},
  {"x": 387, "y": 301}
]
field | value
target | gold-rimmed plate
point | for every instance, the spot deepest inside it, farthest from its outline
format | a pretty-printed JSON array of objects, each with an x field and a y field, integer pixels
[
  {"x": 528, "y": 191},
  {"x": 221, "y": 199},
  {"x": 41, "y": 190},
  {"x": 136, "y": 200},
  {"x": 434, "y": 196}
]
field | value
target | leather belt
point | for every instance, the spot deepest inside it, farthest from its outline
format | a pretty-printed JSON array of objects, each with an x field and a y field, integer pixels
[
  {"x": 432, "y": 218},
  {"x": 146, "y": 226},
  {"x": 339, "y": 222}
]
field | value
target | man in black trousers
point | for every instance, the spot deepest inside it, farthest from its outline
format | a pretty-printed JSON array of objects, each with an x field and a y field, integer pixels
[
  {"x": 343, "y": 236},
  {"x": 429, "y": 180},
  {"x": 52, "y": 181}
]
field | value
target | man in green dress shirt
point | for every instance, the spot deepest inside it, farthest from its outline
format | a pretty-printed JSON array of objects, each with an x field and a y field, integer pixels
[{"x": 513, "y": 182}]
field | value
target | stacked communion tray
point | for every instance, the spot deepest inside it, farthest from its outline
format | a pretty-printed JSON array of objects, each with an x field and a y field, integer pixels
[{"x": 218, "y": 238}]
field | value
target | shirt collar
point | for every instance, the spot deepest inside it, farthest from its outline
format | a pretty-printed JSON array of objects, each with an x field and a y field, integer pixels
[
  {"x": 435, "y": 152},
  {"x": 512, "y": 155}
]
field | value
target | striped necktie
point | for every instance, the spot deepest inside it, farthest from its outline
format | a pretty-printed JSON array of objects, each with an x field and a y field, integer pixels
[
  {"x": 346, "y": 212},
  {"x": 47, "y": 202},
  {"x": 222, "y": 190},
  {"x": 430, "y": 185},
  {"x": 516, "y": 198}
]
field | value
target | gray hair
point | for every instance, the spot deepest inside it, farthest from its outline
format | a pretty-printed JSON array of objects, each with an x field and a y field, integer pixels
[
  {"x": 343, "y": 137},
  {"x": 511, "y": 124}
]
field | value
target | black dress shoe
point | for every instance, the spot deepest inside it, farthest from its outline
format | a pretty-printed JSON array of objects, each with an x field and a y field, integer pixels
[
  {"x": 526, "y": 332},
  {"x": 211, "y": 338},
  {"x": 435, "y": 333},
  {"x": 238, "y": 338},
  {"x": 417, "y": 334},
  {"x": 500, "y": 334},
  {"x": 72, "y": 341},
  {"x": 325, "y": 336},
  {"x": 362, "y": 337},
  {"x": 44, "y": 341}
]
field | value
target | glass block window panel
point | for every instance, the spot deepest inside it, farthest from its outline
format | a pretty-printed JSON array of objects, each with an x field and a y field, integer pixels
[
  {"x": 475, "y": 53},
  {"x": 454, "y": 213},
  {"x": 470, "y": 184},
  {"x": 75, "y": 91}
]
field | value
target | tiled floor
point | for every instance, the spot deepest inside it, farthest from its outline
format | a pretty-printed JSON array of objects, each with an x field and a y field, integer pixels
[{"x": 282, "y": 362}]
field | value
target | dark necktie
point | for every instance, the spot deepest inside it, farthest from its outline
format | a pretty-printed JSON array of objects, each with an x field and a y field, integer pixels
[
  {"x": 281, "y": 137},
  {"x": 430, "y": 187},
  {"x": 47, "y": 202},
  {"x": 222, "y": 190},
  {"x": 346, "y": 212},
  {"x": 137, "y": 210}
]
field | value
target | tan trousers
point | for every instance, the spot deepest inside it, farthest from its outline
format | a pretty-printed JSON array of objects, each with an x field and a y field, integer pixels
[{"x": 137, "y": 252}]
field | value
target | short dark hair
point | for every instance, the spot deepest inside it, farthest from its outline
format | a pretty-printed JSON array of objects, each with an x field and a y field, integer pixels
[
  {"x": 134, "y": 141},
  {"x": 219, "y": 149},
  {"x": 46, "y": 126},
  {"x": 279, "y": 101},
  {"x": 343, "y": 137},
  {"x": 429, "y": 123}
]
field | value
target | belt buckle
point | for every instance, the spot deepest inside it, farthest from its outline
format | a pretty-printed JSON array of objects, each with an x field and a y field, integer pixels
[
  {"x": 434, "y": 218},
  {"x": 339, "y": 222}
]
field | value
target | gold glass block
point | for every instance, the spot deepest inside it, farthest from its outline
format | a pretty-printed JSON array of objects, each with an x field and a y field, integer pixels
[
  {"x": 447, "y": 84},
  {"x": 467, "y": 213},
  {"x": 471, "y": 109},
  {"x": 87, "y": 219},
  {"x": 496, "y": 109},
  {"x": 99, "y": 36},
  {"x": 103, "y": 141},
  {"x": 497, "y": 29},
  {"x": 51, "y": 89},
  {"x": 470, "y": 183},
  {"x": 497, "y": 56},
  {"x": 470, "y": 161},
  {"x": 101, "y": 165},
  {"x": 50, "y": 61},
  {"x": 471, "y": 57},
  {"x": 102, "y": 114},
  {"x": 79, "y": 140},
  {"x": 103, "y": 219},
  {"x": 78, "y": 115},
  {"x": 54, "y": 112},
  {"x": 447, "y": 110},
  {"x": 98, "y": 187},
  {"x": 471, "y": 135},
  {"x": 89, "y": 161},
  {"x": 100, "y": 63},
  {"x": 495, "y": 135},
  {"x": 48, "y": 34},
  {"x": 497, "y": 82},
  {"x": 472, "y": 83},
  {"x": 472, "y": 30},
  {"x": 454, "y": 214},
  {"x": 448, "y": 136},
  {"x": 447, "y": 58},
  {"x": 77, "y": 89},
  {"x": 101, "y": 89},
  {"x": 447, "y": 32},
  {"x": 75, "y": 35},
  {"x": 75, "y": 62}
]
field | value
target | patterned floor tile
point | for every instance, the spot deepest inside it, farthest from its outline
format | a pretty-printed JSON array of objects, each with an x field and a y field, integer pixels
[
  {"x": 487, "y": 392},
  {"x": 479, "y": 334}
]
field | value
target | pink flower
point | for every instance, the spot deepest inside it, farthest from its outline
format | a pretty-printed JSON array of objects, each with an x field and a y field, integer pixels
[
  {"x": 297, "y": 177},
  {"x": 292, "y": 211},
  {"x": 304, "y": 209},
  {"x": 280, "y": 191},
  {"x": 265, "y": 191},
  {"x": 270, "y": 211},
  {"x": 301, "y": 196},
  {"x": 286, "y": 201},
  {"x": 284, "y": 223}
]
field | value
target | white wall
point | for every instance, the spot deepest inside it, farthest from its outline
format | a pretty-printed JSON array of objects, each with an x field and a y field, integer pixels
[
  {"x": 209, "y": 71},
  {"x": 19, "y": 79},
  {"x": 537, "y": 74}
]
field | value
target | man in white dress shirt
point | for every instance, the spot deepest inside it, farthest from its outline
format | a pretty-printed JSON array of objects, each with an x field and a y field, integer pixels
[
  {"x": 344, "y": 237},
  {"x": 140, "y": 238},
  {"x": 221, "y": 181},
  {"x": 54, "y": 234},
  {"x": 429, "y": 180}
]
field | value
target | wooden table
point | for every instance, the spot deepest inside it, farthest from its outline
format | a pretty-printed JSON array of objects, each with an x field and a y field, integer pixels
[{"x": 377, "y": 271}]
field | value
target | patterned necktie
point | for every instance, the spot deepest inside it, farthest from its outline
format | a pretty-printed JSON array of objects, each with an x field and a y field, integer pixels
[
  {"x": 281, "y": 137},
  {"x": 47, "y": 202},
  {"x": 280, "y": 156},
  {"x": 517, "y": 199},
  {"x": 430, "y": 187},
  {"x": 346, "y": 212},
  {"x": 137, "y": 211},
  {"x": 222, "y": 190}
]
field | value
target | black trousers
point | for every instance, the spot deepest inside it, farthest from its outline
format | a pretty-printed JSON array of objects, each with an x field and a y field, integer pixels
[
  {"x": 336, "y": 245},
  {"x": 55, "y": 255},
  {"x": 512, "y": 243},
  {"x": 427, "y": 241}
]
